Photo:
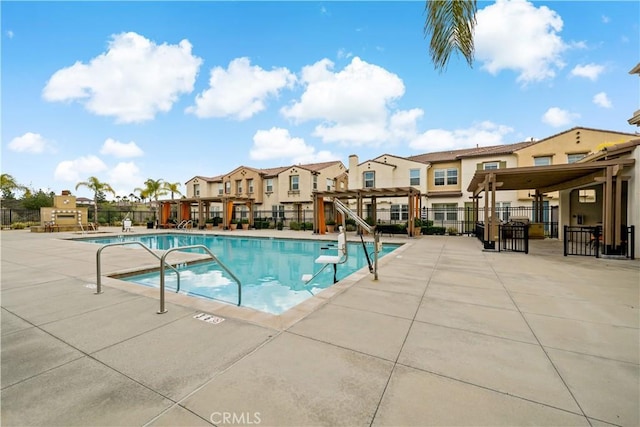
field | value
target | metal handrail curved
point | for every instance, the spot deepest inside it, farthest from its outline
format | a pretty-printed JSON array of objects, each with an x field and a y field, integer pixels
[
  {"x": 206, "y": 249},
  {"x": 98, "y": 275}
]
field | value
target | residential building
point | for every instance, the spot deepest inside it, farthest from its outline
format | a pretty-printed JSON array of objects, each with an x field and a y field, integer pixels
[
  {"x": 387, "y": 171},
  {"x": 274, "y": 192}
]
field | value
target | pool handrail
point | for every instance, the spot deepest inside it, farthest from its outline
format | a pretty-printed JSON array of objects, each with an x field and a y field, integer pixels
[
  {"x": 215, "y": 258},
  {"x": 98, "y": 275},
  {"x": 369, "y": 228}
]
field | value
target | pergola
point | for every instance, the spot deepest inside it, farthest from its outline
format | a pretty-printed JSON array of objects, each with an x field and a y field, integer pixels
[
  {"x": 204, "y": 206},
  {"x": 372, "y": 194},
  {"x": 546, "y": 179}
]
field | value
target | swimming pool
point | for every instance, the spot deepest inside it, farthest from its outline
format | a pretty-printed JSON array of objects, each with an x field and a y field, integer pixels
[{"x": 269, "y": 269}]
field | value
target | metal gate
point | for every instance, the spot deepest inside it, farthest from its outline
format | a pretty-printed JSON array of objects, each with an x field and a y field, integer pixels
[{"x": 584, "y": 241}]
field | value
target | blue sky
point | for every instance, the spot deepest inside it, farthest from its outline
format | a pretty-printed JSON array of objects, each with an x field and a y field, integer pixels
[{"x": 127, "y": 91}]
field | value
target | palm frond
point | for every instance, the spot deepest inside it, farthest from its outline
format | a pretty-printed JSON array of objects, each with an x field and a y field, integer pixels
[{"x": 449, "y": 26}]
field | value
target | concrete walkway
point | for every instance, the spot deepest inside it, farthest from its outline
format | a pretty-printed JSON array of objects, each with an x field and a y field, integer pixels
[{"x": 449, "y": 335}]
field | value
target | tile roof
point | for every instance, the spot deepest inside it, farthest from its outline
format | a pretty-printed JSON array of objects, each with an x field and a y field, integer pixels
[{"x": 444, "y": 156}]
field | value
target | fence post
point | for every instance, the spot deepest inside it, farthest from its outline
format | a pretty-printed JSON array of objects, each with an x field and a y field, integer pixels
[
  {"x": 526, "y": 238},
  {"x": 565, "y": 240},
  {"x": 596, "y": 235}
]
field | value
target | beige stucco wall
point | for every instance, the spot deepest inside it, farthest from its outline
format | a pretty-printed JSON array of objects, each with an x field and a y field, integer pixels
[
  {"x": 207, "y": 188},
  {"x": 244, "y": 175},
  {"x": 579, "y": 140},
  {"x": 444, "y": 165}
]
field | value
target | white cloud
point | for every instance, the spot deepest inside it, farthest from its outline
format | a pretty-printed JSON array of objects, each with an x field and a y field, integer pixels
[
  {"x": 480, "y": 134},
  {"x": 353, "y": 105},
  {"x": 124, "y": 177},
  {"x": 605, "y": 19},
  {"x": 558, "y": 117},
  {"x": 241, "y": 90},
  {"x": 120, "y": 149},
  {"x": 79, "y": 169},
  {"x": 30, "y": 142},
  {"x": 589, "y": 71},
  {"x": 516, "y": 35},
  {"x": 10, "y": 34},
  {"x": 277, "y": 143},
  {"x": 133, "y": 81},
  {"x": 602, "y": 100}
]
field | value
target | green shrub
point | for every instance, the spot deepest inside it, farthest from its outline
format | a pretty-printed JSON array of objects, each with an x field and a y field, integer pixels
[
  {"x": 452, "y": 231},
  {"x": 18, "y": 226},
  {"x": 307, "y": 226},
  {"x": 294, "y": 225},
  {"x": 440, "y": 231},
  {"x": 280, "y": 225}
]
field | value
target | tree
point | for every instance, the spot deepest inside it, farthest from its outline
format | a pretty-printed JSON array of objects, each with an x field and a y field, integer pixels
[
  {"x": 172, "y": 187},
  {"x": 37, "y": 200},
  {"x": 7, "y": 186},
  {"x": 98, "y": 188},
  {"x": 153, "y": 188},
  {"x": 450, "y": 25}
]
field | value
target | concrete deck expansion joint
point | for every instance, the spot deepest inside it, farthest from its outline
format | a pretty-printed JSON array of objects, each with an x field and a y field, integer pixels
[{"x": 448, "y": 336}]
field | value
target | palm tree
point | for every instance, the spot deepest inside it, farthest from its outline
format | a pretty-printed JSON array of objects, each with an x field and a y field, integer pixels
[
  {"x": 8, "y": 184},
  {"x": 153, "y": 188},
  {"x": 172, "y": 187},
  {"x": 95, "y": 185},
  {"x": 449, "y": 25}
]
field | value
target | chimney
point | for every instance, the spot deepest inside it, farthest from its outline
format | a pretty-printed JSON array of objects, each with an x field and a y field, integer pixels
[{"x": 354, "y": 172}]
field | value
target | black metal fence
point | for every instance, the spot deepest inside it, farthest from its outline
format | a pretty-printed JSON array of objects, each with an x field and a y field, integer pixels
[
  {"x": 452, "y": 220},
  {"x": 513, "y": 238},
  {"x": 582, "y": 241},
  {"x": 587, "y": 241},
  {"x": 12, "y": 216}
]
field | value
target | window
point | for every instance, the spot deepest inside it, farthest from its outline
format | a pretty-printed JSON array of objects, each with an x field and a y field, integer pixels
[
  {"x": 491, "y": 166},
  {"x": 250, "y": 186},
  {"x": 542, "y": 161},
  {"x": 572, "y": 158},
  {"x": 238, "y": 186},
  {"x": 227, "y": 187},
  {"x": 277, "y": 211},
  {"x": 369, "y": 179},
  {"x": 220, "y": 189},
  {"x": 587, "y": 196},
  {"x": 196, "y": 190},
  {"x": 399, "y": 212},
  {"x": 445, "y": 211},
  {"x": 330, "y": 184},
  {"x": 294, "y": 183},
  {"x": 269, "y": 185},
  {"x": 450, "y": 174},
  {"x": 414, "y": 176},
  {"x": 315, "y": 182}
]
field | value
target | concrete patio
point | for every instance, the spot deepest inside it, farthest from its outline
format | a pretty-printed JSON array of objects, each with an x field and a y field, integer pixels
[{"x": 448, "y": 335}]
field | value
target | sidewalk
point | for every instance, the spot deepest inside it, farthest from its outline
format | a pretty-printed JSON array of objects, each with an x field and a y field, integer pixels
[{"x": 448, "y": 335}]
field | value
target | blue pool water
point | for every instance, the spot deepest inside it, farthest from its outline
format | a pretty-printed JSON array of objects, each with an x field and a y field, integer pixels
[{"x": 270, "y": 270}]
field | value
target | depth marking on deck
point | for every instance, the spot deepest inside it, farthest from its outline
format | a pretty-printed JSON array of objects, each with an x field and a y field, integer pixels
[{"x": 209, "y": 318}]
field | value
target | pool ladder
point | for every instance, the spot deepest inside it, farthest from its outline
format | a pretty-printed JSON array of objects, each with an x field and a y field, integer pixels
[
  {"x": 164, "y": 263},
  {"x": 185, "y": 225}
]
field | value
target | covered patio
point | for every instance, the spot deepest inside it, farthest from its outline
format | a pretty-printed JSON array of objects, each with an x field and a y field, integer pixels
[
  {"x": 360, "y": 196},
  {"x": 203, "y": 209},
  {"x": 611, "y": 175}
]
